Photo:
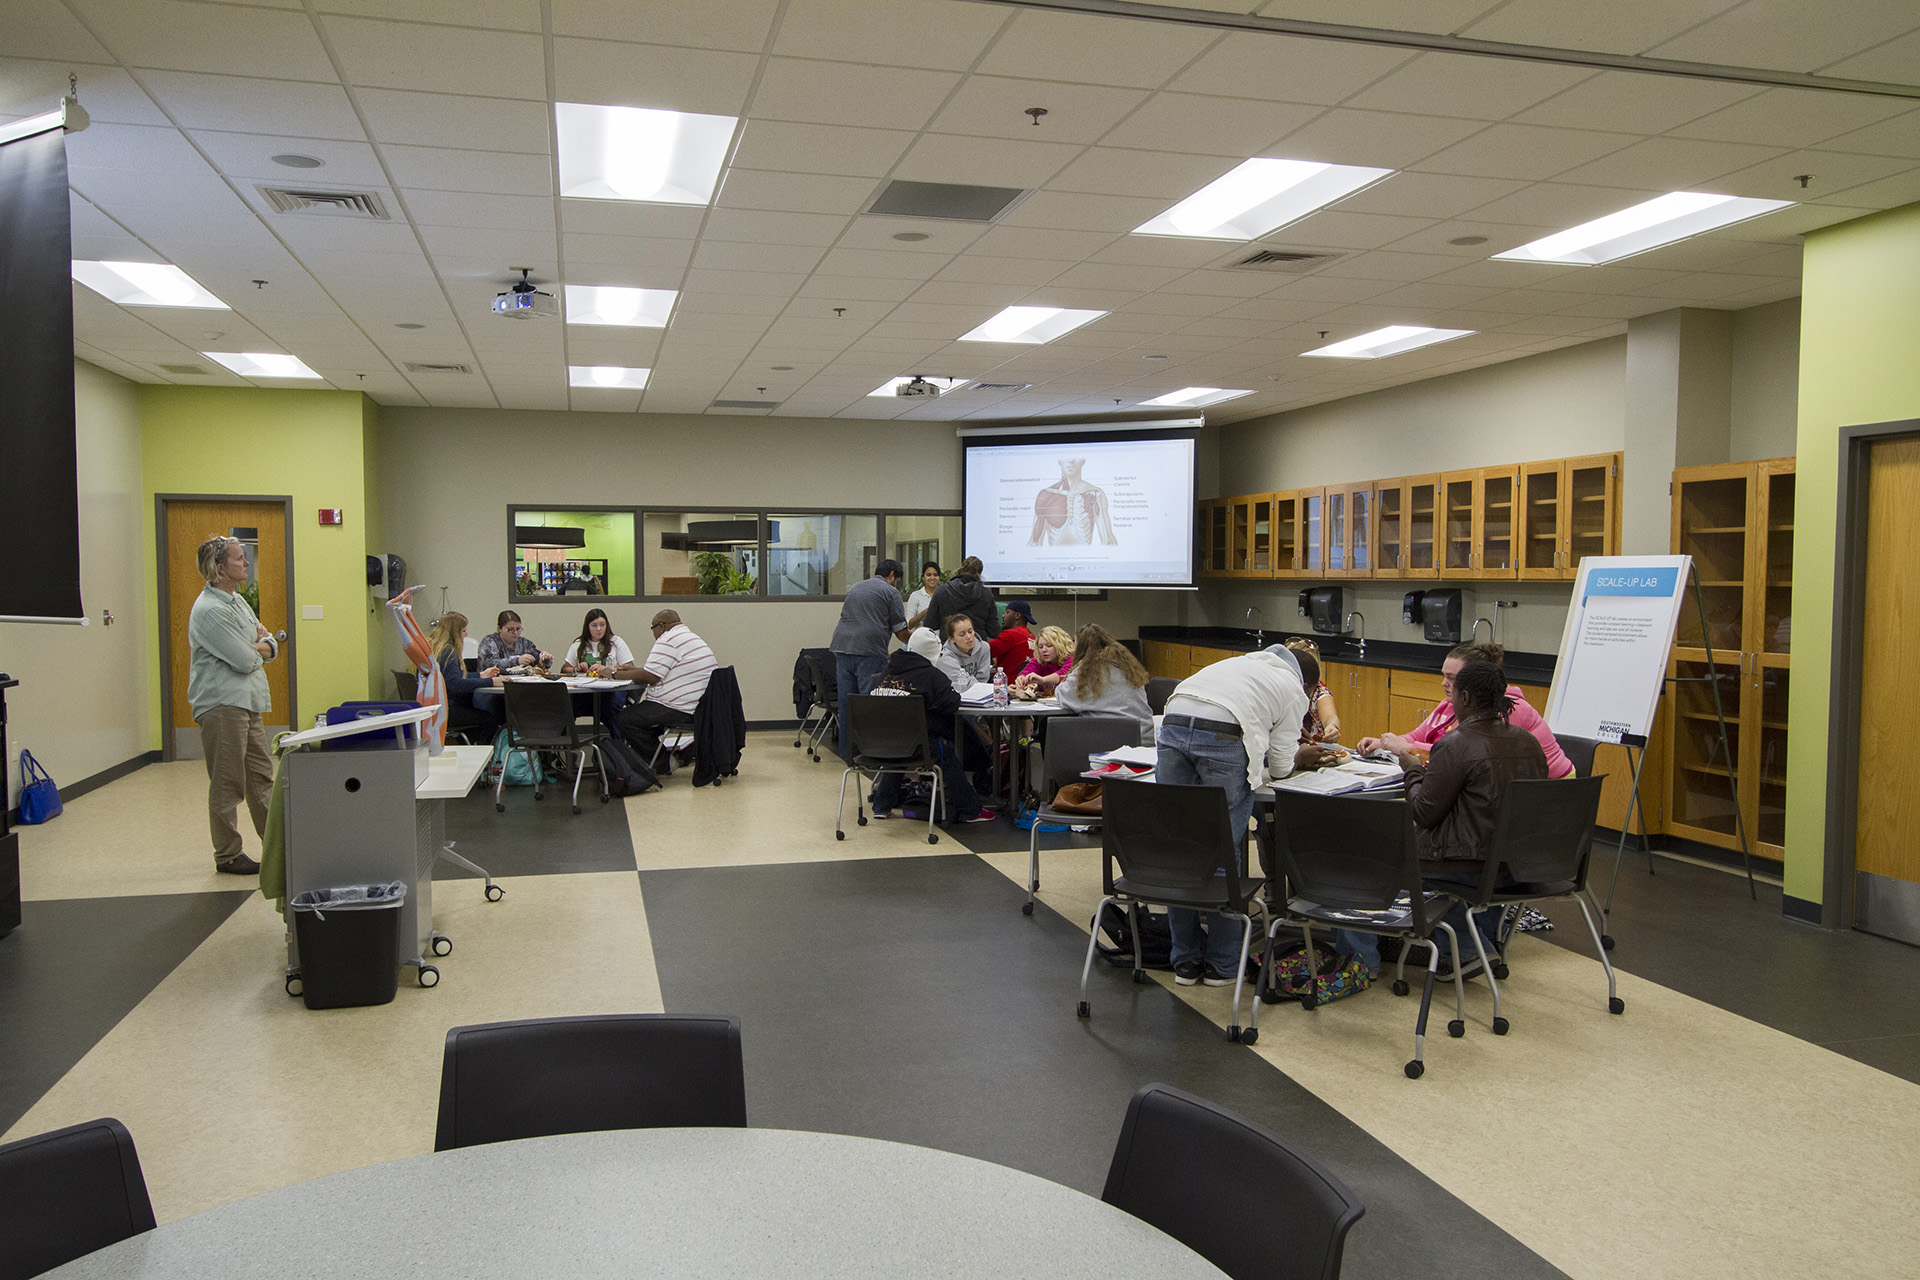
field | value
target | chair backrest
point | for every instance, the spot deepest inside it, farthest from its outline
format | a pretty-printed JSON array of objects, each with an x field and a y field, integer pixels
[
  {"x": 1228, "y": 1189},
  {"x": 1579, "y": 752},
  {"x": 1159, "y": 689},
  {"x": 506, "y": 1080},
  {"x": 1544, "y": 829},
  {"x": 407, "y": 685},
  {"x": 1352, "y": 852},
  {"x": 817, "y": 671},
  {"x": 890, "y": 728},
  {"x": 1071, "y": 739},
  {"x": 66, "y": 1193},
  {"x": 539, "y": 714},
  {"x": 1171, "y": 841}
]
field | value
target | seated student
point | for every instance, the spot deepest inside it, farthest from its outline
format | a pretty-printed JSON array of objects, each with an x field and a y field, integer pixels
[
  {"x": 911, "y": 671},
  {"x": 676, "y": 673},
  {"x": 446, "y": 638},
  {"x": 1013, "y": 647},
  {"x": 1323, "y": 722},
  {"x": 508, "y": 646},
  {"x": 598, "y": 651},
  {"x": 1052, "y": 660},
  {"x": 964, "y": 659},
  {"x": 1107, "y": 680},
  {"x": 1420, "y": 741}
]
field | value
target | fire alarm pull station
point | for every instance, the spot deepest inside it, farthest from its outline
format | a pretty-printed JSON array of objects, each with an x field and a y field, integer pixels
[{"x": 331, "y": 515}]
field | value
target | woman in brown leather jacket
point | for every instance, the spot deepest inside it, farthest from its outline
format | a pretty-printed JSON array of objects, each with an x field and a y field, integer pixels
[{"x": 1456, "y": 794}]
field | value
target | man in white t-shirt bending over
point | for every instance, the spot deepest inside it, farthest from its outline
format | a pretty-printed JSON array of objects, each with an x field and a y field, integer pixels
[{"x": 675, "y": 672}]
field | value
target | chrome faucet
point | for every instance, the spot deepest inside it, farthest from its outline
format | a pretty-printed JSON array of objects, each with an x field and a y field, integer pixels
[
  {"x": 1259, "y": 632},
  {"x": 1363, "y": 629},
  {"x": 1498, "y": 605},
  {"x": 1473, "y": 633}
]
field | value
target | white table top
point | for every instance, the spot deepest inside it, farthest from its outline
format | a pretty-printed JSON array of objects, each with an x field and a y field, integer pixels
[
  {"x": 663, "y": 1202},
  {"x": 452, "y": 773},
  {"x": 1046, "y": 707}
]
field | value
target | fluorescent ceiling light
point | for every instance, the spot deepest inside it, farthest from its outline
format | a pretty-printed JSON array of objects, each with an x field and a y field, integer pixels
[
  {"x": 637, "y": 153},
  {"x": 612, "y": 304},
  {"x": 1659, "y": 221},
  {"x": 1196, "y": 397},
  {"x": 1030, "y": 325},
  {"x": 1259, "y": 196},
  {"x": 145, "y": 284},
  {"x": 1390, "y": 341},
  {"x": 607, "y": 376},
  {"x": 262, "y": 364},
  {"x": 945, "y": 385}
]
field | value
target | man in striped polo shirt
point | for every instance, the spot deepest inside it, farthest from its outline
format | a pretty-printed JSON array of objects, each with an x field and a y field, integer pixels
[{"x": 675, "y": 673}]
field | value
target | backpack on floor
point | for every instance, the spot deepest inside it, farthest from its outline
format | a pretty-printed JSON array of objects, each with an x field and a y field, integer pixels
[
  {"x": 1329, "y": 977},
  {"x": 519, "y": 768},
  {"x": 1156, "y": 938},
  {"x": 627, "y": 773}
]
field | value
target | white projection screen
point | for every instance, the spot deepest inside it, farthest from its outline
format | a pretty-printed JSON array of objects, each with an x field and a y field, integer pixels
[{"x": 1113, "y": 510}]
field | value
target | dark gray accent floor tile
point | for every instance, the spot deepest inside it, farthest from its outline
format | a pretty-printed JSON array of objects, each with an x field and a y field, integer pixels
[
  {"x": 909, "y": 999},
  {"x": 75, "y": 967},
  {"x": 539, "y": 837},
  {"x": 1895, "y": 1055}
]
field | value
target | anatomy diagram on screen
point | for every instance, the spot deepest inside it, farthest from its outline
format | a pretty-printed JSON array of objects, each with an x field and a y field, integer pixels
[{"x": 1072, "y": 512}]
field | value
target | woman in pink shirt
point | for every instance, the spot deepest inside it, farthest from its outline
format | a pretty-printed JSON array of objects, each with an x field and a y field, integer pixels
[
  {"x": 1051, "y": 662},
  {"x": 1436, "y": 725}
]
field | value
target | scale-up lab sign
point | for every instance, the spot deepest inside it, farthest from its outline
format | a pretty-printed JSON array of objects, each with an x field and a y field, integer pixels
[{"x": 1613, "y": 654}]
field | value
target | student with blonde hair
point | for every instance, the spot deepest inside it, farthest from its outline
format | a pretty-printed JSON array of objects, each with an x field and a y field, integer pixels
[
  {"x": 227, "y": 689},
  {"x": 447, "y": 637},
  {"x": 1051, "y": 661}
]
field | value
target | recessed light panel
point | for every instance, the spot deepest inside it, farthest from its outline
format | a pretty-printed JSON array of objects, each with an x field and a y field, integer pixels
[
  {"x": 607, "y": 377},
  {"x": 1259, "y": 196},
  {"x": 145, "y": 284},
  {"x": 1656, "y": 222},
  {"x": 1030, "y": 325},
  {"x": 638, "y": 153},
  {"x": 262, "y": 364},
  {"x": 1390, "y": 341},
  {"x": 613, "y": 304},
  {"x": 1196, "y": 397},
  {"x": 941, "y": 385}
]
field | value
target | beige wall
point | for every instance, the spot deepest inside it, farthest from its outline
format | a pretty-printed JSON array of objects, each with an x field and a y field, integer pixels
[
  {"x": 81, "y": 707},
  {"x": 1766, "y": 381}
]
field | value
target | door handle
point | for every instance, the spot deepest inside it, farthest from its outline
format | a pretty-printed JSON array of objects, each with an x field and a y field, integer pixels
[{"x": 280, "y": 637}]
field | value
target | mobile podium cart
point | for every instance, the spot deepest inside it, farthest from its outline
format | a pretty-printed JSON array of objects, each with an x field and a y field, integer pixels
[{"x": 371, "y": 813}]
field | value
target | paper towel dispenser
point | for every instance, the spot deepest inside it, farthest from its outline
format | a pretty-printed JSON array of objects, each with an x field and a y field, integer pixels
[
  {"x": 1326, "y": 608},
  {"x": 1442, "y": 612}
]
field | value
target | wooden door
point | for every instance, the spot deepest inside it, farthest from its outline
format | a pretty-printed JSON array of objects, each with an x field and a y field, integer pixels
[
  {"x": 1592, "y": 525},
  {"x": 1364, "y": 709},
  {"x": 1495, "y": 519},
  {"x": 1543, "y": 521},
  {"x": 1459, "y": 501},
  {"x": 1888, "y": 810},
  {"x": 188, "y": 524}
]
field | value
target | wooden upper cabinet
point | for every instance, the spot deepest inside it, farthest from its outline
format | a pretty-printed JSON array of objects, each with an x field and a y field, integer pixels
[
  {"x": 1349, "y": 531},
  {"x": 1569, "y": 509},
  {"x": 1287, "y": 513},
  {"x": 1312, "y": 560},
  {"x": 1250, "y": 536},
  {"x": 1403, "y": 527},
  {"x": 1459, "y": 501},
  {"x": 1212, "y": 537},
  {"x": 1496, "y": 541}
]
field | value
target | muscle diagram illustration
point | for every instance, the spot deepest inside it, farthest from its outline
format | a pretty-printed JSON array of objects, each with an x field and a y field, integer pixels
[{"x": 1072, "y": 512}]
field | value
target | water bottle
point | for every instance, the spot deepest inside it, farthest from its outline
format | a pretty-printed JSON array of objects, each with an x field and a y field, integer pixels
[{"x": 999, "y": 686}]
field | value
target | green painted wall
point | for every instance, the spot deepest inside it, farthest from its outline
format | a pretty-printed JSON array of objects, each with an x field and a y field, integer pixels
[
  {"x": 609, "y": 538},
  {"x": 312, "y": 445},
  {"x": 1859, "y": 332}
]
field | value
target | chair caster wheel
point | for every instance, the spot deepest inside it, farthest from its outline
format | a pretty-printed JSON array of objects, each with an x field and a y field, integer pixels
[
  {"x": 862, "y": 819},
  {"x": 1400, "y": 986},
  {"x": 1084, "y": 1009},
  {"x": 495, "y": 893},
  {"x": 1249, "y": 1035},
  {"x": 499, "y": 808},
  {"x": 839, "y": 835},
  {"x": 1616, "y": 1005},
  {"x": 932, "y": 838},
  {"x": 295, "y": 986},
  {"x": 1416, "y": 1069},
  {"x": 1456, "y": 1028},
  {"x": 1500, "y": 972},
  {"x": 1026, "y": 908},
  {"x": 1272, "y": 997},
  {"x": 1308, "y": 1002},
  {"x": 442, "y": 946},
  {"x": 604, "y": 799},
  {"x": 576, "y": 811},
  {"x": 538, "y": 796},
  {"x": 1233, "y": 1035},
  {"x": 1606, "y": 940},
  {"x": 429, "y": 976},
  {"x": 1140, "y": 977},
  {"x": 1501, "y": 1026}
]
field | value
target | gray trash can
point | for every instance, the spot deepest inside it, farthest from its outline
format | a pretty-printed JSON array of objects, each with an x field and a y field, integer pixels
[{"x": 349, "y": 942}]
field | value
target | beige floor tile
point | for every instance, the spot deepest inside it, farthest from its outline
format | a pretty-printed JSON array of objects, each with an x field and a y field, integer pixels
[
  {"x": 1676, "y": 1139},
  {"x": 231, "y": 1088},
  {"x": 144, "y": 833}
]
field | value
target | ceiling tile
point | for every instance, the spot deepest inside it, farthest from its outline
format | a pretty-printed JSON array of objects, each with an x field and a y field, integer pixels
[
  {"x": 138, "y": 147},
  {"x": 944, "y": 237},
  {"x": 659, "y": 259},
  {"x": 1187, "y": 122},
  {"x": 449, "y": 120},
  {"x": 880, "y": 264},
  {"x": 1075, "y": 211},
  {"x": 1245, "y": 65},
  {"x": 1580, "y": 24},
  {"x": 1795, "y": 117},
  {"x": 967, "y": 293},
  {"x": 409, "y": 55},
  {"x": 775, "y": 228},
  {"x": 1635, "y": 103},
  {"x": 487, "y": 212},
  {"x": 183, "y": 36},
  {"x": 900, "y": 33},
  {"x": 832, "y": 289},
  {"x": 1092, "y": 50},
  {"x": 108, "y": 93},
  {"x": 1155, "y": 251},
  {"x": 1431, "y": 195},
  {"x": 1523, "y": 151},
  {"x": 794, "y": 192},
  {"x": 1893, "y": 61},
  {"x": 1473, "y": 88},
  {"x": 976, "y": 268},
  {"x": 781, "y": 145},
  {"x": 651, "y": 75},
  {"x": 729, "y": 255},
  {"x": 996, "y": 162},
  {"x": 738, "y": 24},
  {"x": 1376, "y": 138},
  {"x": 503, "y": 15},
  {"x": 1162, "y": 175},
  {"x": 1555, "y": 205},
  {"x": 1668, "y": 164},
  {"x": 248, "y": 157},
  {"x": 1836, "y": 174},
  {"x": 848, "y": 93},
  {"x": 1337, "y": 228},
  {"x": 1899, "y": 136},
  {"x": 493, "y": 172},
  {"x": 240, "y": 105},
  {"x": 1887, "y": 193},
  {"x": 1789, "y": 36},
  {"x": 705, "y": 280},
  {"x": 995, "y": 107}
]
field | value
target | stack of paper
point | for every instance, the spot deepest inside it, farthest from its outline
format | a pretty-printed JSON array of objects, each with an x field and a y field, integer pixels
[
  {"x": 1374, "y": 774},
  {"x": 1144, "y": 756},
  {"x": 977, "y": 694},
  {"x": 1324, "y": 782}
]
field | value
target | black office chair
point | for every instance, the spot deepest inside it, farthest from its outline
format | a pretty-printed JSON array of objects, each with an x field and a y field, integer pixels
[
  {"x": 1070, "y": 740},
  {"x": 1159, "y": 689},
  {"x": 1176, "y": 847},
  {"x": 1542, "y": 848},
  {"x": 821, "y": 717},
  {"x": 505, "y": 1080},
  {"x": 890, "y": 736},
  {"x": 67, "y": 1193},
  {"x": 1350, "y": 864},
  {"x": 540, "y": 718},
  {"x": 406, "y": 684},
  {"x": 1579, "y": 752},
  {"x": 1229, "y": 1190}
]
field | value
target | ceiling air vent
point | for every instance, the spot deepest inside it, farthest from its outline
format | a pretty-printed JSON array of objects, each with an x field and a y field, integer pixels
[
  {"x": 337, "y": 204},
  {"x": 413, "y": 366},
  {"x": 952, "y": 201},
  {"x": 1283, "y": 260},
  {"x": 999, "y": 386},
  {"x": 744, "y": 404},
  {"x": 185, "y": 370}
]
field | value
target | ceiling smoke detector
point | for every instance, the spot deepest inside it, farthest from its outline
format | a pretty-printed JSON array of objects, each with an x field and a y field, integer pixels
[{"x": 523, "y": 301}]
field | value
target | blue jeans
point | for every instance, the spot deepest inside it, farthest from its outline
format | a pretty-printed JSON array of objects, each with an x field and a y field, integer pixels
[
  {"x": 1197, "y": 758},
  {"x": 961, "y": 799},
  {"x": 855, "y": 673}
]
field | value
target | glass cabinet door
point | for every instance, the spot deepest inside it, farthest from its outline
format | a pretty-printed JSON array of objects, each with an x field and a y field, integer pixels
[
  {"x": 1239, "y": 534},
  {"x": 1286, "y": 534},
  {"x": 1710, "y": 524},
  {"x": 1456, "y": 497},
  {"x": 1769, "y": 776},
  {"x": 1541, "y": 520},
  {"x": 1338, "y": 545},
  {"x": 1422, "y": 528},
  {"x": 1776, "y": 620},
  {"x": 1390, "y": 529},
  {"x": 1360, "y": 532},
  {"x": 1495, "y": 555},
  {"x": 1260, "y": 537},
  {"x": 1313, "y": 545},
  {"x": 1593, "y": 510},
  {"x": 1704, "y": 772},
  {"x": 1213, "y": 537}
]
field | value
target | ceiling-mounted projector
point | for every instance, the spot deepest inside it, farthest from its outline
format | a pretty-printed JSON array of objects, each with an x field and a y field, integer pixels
[
  {"x": 919, "y": 387},
  {"x": 523, "y": 301}
]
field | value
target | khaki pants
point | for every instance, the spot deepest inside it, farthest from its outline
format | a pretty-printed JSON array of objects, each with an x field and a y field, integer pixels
[{"x": 234, "y": 741}]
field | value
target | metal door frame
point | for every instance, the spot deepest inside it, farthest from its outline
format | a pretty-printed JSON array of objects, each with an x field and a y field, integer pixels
[{"x": 291, "y": 649}]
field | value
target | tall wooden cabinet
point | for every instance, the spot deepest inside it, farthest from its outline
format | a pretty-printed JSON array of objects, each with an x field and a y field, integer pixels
[{"x": 1736, "y": 521}]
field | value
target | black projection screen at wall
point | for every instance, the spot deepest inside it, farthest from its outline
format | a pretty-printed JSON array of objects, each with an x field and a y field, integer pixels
[{"x": 39, "y": 494}]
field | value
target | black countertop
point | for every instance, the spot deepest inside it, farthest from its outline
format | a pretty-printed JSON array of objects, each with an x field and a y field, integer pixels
[{"x": 1522, "y": 668}]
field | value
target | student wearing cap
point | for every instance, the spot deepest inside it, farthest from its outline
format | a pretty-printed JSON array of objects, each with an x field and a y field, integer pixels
[{"x": 1014, "y": 645}]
